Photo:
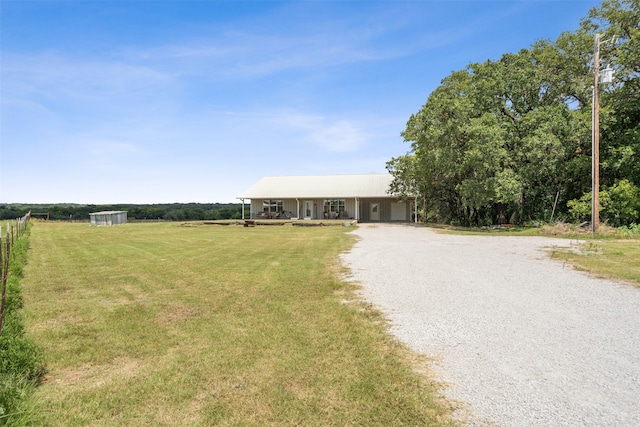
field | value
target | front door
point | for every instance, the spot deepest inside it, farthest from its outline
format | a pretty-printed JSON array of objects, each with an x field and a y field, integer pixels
[
  {"x": 375, "y": 212},
  {"x": 308, "y": 209}
]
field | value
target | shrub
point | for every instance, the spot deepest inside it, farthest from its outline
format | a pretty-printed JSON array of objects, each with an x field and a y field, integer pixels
[
  {"x": 21, "y": 362},
  {"x": 632, "y": 231},
  {"x": 619, "y": 205},
  {"x": 580, "y": 209}
]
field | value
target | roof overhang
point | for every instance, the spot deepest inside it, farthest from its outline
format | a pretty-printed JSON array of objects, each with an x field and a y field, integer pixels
[{"x": 321, "y": 186}]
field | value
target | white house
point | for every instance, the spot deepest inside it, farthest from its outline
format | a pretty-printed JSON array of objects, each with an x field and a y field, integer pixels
[{"x": 363, "y": 197}]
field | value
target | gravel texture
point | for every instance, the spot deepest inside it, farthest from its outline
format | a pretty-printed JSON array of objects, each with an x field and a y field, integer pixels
[{"x": 517, "y": 338}]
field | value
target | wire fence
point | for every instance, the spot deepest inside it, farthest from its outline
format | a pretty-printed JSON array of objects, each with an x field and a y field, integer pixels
[{"x": 9, "y": 234}]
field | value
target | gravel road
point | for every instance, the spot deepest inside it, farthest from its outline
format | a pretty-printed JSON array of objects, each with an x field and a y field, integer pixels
[{"x": 518, "y": 339}]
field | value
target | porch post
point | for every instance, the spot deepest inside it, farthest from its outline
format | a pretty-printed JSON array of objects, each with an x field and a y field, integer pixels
[
  {"x": 357, "y": 209},
  {"x": 415, "y": 210},
  {"x": 242, "y": 208},
  {"x": 297, "y": 208}
]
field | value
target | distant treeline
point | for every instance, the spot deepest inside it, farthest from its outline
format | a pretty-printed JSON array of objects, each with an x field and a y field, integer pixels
[{"x": 167, "y": 212}]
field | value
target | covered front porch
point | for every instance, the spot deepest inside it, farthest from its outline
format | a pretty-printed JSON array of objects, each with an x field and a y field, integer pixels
[
  {"x": 363, "y": 198},
  {"x": 361, "y": 210}
]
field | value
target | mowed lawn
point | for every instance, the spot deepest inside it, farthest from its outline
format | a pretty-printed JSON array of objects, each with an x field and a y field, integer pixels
[
  {"x": 172, "y": 325},
  {"x": 608, "y": 259}
]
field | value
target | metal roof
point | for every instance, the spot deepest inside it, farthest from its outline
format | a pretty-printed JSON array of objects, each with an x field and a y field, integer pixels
[
  {"x": 320, "y": 186},
  {"x": 107, "y": 212}
]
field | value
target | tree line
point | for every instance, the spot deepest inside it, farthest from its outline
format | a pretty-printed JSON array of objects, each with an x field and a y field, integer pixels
[
  {"x": 509, "y": 141},
  {"x": 166, "y": 212}
]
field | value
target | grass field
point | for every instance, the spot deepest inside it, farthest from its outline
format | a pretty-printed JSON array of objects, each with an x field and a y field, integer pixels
[
  {"x": 608, "y": 259},
  {"x": 166, "y": 325}
]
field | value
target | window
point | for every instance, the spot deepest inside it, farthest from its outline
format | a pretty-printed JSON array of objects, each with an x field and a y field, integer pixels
[
  {"x": 272, "y": 205},
  {"x": 334, "y": 205}
]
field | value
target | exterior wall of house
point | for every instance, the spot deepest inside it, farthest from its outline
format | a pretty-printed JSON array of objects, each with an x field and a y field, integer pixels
[
  {"x": 366, "y": 208},
  {"x": 290, "y": 206},
  {"x": 388, "y": 209},
  {"x": 256, "y": 206},
  {"x": 350, "y": 208}
]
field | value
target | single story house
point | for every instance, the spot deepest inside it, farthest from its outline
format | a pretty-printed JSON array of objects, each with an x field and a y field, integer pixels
[
  {"x": 108, "y": 218},
  {"x": 364, "y": 197}
]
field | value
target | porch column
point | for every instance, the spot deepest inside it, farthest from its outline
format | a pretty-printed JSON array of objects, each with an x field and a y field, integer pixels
[
  {"x": 242, "y": 208},
  {"x": 357, "y": 209},
  {"x": 297, "y": 208},
  {"x": 415, "y": 210}
]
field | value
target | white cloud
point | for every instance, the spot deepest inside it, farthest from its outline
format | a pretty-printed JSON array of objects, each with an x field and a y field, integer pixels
[
  {"x": 48, "y": 69},
  {"x": 333, "y": 135},
  {"x": 340, "y": 136},
  {"x": 252, "y": 54},
  {"x": 80, "y": 86}
]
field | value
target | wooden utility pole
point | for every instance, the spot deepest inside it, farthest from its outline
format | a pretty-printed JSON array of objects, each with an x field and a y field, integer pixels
[{"x": 595, "y": 138}]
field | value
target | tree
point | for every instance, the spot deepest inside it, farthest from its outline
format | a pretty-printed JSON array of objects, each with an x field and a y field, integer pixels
[
  {"x": 408, "y": 180},
  {"x": 621, "y": 122},
  {"x": 505, "y": 140},
  {"x": 490, "y": 144}
]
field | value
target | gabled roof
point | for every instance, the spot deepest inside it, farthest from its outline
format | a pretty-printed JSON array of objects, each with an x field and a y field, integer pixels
[{"x": 320, "y": 186}]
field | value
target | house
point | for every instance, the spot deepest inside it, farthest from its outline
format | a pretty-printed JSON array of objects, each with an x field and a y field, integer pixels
[
  {"x": 363, "y": 197},
  {"x": 108, "y": 218}
]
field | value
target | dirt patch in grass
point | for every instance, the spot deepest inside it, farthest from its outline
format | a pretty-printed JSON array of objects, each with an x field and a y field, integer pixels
[
  {"x": 89, "y": 375},
  {"x": 174, "y": 312}
]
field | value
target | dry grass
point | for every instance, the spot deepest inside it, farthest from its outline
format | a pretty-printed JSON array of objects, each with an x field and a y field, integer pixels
[
  {"x": 562, "y": 229},
  {"x": 610, "y": 254},
  {"x": 157, "y": 324},
  {"x": 609, "y": 259}
]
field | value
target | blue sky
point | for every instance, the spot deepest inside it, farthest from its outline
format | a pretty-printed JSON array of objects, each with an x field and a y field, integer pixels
[{"x": 194, "y": 101}]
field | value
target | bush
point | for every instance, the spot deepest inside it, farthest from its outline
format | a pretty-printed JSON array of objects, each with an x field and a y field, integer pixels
[
  {"x": 15, "y": 408},
  {"x": 580, "y": 209},
  {"x": 21, "y": 362},
  {"x": 619, "y": 205},
  {"x": 630, "y": 232}
]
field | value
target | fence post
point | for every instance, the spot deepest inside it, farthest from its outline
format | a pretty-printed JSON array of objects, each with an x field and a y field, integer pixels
[
  {"x": 13, "y": 233},
  {"x": 6, "y": 249}
]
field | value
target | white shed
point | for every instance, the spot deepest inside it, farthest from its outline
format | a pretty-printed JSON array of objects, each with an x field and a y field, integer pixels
[{"x": 108, "y": 218}]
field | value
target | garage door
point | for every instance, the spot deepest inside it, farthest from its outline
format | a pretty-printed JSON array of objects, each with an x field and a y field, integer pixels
[{"x": 398, "y": 211}]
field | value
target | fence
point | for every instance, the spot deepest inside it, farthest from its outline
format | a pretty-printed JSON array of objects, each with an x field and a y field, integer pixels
[{"x": 13, "y": 232}]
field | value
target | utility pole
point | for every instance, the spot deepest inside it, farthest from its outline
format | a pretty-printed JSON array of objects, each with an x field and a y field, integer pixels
[
  {"x": 605, "y": 77},
  {"x": 595, "y": 140}
]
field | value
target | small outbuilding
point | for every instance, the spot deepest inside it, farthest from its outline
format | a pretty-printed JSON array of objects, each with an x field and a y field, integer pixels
[{"x": 108, "y": 218}]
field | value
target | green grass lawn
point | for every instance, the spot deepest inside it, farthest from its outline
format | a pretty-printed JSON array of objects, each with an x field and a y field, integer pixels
[
  {"x": 166, "y": 325},
  {"x": 609, "y": 259}
]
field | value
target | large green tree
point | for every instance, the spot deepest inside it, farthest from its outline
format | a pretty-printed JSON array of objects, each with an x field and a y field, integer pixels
[
  {"x": 490, "y": 141},
  {"x": 619, "y": 21},
  {"x": 509, "y": 140}
]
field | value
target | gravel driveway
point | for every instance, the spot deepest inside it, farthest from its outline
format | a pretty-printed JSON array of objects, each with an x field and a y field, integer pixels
[{"x": 519, "y": 339}]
